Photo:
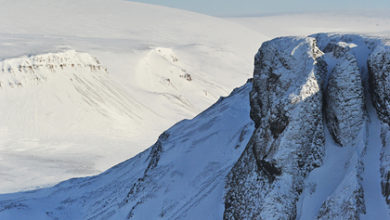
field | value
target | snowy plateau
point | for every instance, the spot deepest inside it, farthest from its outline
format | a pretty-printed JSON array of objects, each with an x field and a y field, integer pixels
[{"x": 85, "y": 85}]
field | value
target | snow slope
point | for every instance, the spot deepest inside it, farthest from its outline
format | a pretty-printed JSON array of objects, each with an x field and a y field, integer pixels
[
  {"x": 180, "y": 176},
  {"x": 157, "y": 66},
  {"x": 199, "y": 168},
  {"x": 198, "y": 164},
  {"x": 166, "y": 64},
  {"x": 55, "y": 108}
]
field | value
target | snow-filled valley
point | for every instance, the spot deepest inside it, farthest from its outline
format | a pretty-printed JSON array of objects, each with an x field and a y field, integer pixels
[{"x": 85, "y": 85}]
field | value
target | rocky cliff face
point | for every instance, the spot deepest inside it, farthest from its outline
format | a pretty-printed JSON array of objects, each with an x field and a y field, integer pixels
[
  {"x": 345, "y": 115},
  {"x": 379, "y": 73},
  {"x": 344, "y": 97},
  {"x": 286, "y": 104},
  {"x": 379, "y": 77},
  {"x": 296, "y": 81},
  {"x": 31, "y": 71}
]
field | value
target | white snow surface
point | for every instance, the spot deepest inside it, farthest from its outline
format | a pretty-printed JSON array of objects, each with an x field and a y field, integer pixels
[
  {"x": 62, "y": 119},
  {"x": 147, "y": 54},
  {"x": 369, "y": 22},
  {"x": 184, "y": 178},
  {"x": 339, "y": 170},
  {"x": 187, "y": 183}
]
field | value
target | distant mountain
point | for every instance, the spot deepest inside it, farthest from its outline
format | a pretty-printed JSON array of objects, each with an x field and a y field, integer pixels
[
  {"x": 67, "y": 92},
  {"x": 161, "y": 65},
  {"x": 87, "y": 84},
  {"x": 181, "y": 175},
  {"x": 307, "y": 139}
]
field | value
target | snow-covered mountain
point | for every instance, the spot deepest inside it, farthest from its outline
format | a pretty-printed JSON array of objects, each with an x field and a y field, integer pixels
[
  {"x": 182, "y": 170},
  {"x": 78, "y": 89},
  {"x": 307, "y": 139},
  {"x": 157, "y": 66},
  {"x": 316, "y": 152},
  {"x": 87, "y": 84}
]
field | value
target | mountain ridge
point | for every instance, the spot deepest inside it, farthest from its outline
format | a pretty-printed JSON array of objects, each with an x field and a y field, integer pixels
[{"x": 281, "y": 137}]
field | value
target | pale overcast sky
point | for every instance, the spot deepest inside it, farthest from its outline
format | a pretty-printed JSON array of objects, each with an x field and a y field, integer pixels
[{"x": 258, "y": 7}]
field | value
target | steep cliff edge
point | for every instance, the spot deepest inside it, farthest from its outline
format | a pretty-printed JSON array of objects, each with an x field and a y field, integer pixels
[
  {"x": 379, "y": 78},
  {"x": 286, "y": 105},
  {"x": 309, "y": 100},
  {"x": 344, "y": 97}
]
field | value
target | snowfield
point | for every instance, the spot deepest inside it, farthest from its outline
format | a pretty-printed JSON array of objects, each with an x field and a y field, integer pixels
[
  {"x": 180, "y": 176},
  {"x": 371, "y": 23},
  {"x": 194, "y": 167},
  {"x": 87, "y": 84}
]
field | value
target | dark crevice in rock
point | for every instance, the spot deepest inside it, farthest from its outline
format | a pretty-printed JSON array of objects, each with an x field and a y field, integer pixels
[
  {"x": 268, "y": 168},
  {"x": 278, "y": 123},
  {"x": 154, "y": 155}
]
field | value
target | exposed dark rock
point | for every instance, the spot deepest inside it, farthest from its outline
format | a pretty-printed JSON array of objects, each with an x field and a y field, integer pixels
[
  {"x": 385, "y": 162},
  {"x": 338, "y": 49},
  {"x": 290, "y": 79},
  {"x": 344, "y": 98},
  {"x": 347, "y": 201},
  {"x": 143, "y": 182},
  {"x": 286, "y": 106},
  {"x": 379, "y": 78}
]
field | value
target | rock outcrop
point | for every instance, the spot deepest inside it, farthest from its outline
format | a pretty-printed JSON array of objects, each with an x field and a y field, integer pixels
[
  {"x": 385, "y": 163},
  {"x": 379, "y": 77},
  {"x": 286, "y": 106},
  {"x": 344, "y": 96},
  {"x": 296, "y": 81},
  {"x": 347, "y": 201},
  {"x": 32, "y": 70}
]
